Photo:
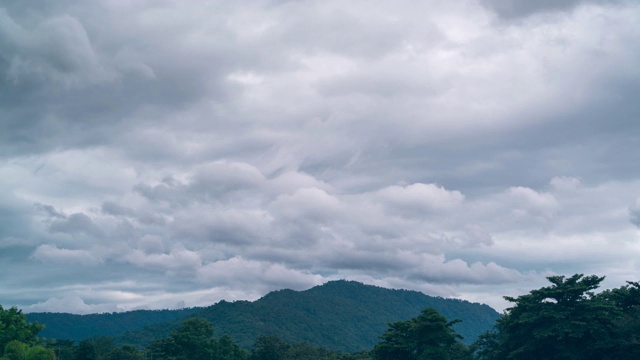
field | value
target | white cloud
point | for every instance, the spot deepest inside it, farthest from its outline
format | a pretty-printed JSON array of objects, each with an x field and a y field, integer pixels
[
  {"x": 528, "y": 202},
  {"x": 255, "y": 274},
  {"x": 181, "y": 261},
  {"x": 70, "y": 304},
  {"x": 421, "y": 197},
  {"x": 308, "y": 203},
  {"x": 52, "y": 254},
  {"x": 565, "y": 183}
]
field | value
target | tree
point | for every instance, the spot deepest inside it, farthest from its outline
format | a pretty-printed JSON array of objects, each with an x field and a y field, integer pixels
[
  {"x": 563, "y": 321},
  {"x": 227, "y": 349},
  {"x": 627, "y": 334},
  {"x": 193, "y": 340},
  {"x": 427, "y": 336},
  {"x": 39, "y": 352},
  {"x": 15, "y": 350},
  {"x": 125, "y": 352},
  {"x": 269, "y": 348},
  {"x": 86, "y": 351},
  {"x": 14, "y": 326},
  {"x": 63, "y": 348}
]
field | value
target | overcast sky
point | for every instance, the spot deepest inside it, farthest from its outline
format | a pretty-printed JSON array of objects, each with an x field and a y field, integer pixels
[{"x": 162, "y": 154}]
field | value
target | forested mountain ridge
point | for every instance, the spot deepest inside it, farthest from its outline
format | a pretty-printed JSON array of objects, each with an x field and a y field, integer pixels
[
  {"x": 79, "y": 327},
  {"x": 340, "y": 315}
]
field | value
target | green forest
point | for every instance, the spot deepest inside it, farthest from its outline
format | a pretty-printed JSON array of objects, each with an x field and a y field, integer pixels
[
  {"x": 568, "y": 319},
  {"x": 345, "y": 316}
]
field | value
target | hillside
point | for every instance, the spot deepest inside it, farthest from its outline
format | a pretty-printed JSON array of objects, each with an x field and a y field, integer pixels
[
  {"x": 79, "y": 327},
  {"x": 341, "y": 315}
]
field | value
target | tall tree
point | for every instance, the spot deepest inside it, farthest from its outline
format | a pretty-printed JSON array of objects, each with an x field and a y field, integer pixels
[
  {"x": 564, "y": 321},
  {"x": 427, "y": 336}
]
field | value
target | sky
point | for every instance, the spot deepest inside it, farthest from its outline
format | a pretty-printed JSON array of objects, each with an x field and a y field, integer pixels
[{"x": 163, "y": 154}]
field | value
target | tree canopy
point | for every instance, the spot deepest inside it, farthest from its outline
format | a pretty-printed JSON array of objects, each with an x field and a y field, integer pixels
[
  {"x": 427, "y": 336},
  {"x": 14, "y": 327},
  {"x": 194, "y": 340},
  {"x": 566, "y": 320}
]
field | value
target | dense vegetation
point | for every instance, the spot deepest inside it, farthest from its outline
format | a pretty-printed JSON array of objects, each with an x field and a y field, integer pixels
[
  {"x": 567, "y": 320},
  {"x": 428, "y": 335},
  {"x": 564, "y": 321},
  {"x": 18, "y": 339},
  {"x": 339, "y": 315},
  {"x": 79, "y": 327}
]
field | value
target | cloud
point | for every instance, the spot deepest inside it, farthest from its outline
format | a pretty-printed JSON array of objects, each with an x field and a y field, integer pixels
[
  {"x": 70, "y": 304},
  {"x": 634, "y": 213},
  {"x": 196, "y": 151},
  {"x": 57, "y": 50},
  {"x": 76, "y": 224},
  {"x": 308, "y": 203},
  {"x": 435, "y": 269},
  {"x": 52, "y": 254},
  {"x": 179, "y": 261},
  {"x": 421, "y": 197},
  {"x": 254, "y": 274},
  {"x": 529, "y": 202},
  {"x": 475, "y": 235}
]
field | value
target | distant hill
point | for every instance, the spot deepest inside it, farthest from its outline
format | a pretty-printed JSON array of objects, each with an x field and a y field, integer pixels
[
  {"x": 340, "y": 315},
  {"x": 79, "y": 327}
]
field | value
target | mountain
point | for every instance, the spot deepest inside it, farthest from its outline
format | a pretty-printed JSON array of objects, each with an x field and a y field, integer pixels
[
  {"x": 79, "y": 327},
  {"x": 340, "y": 315}
]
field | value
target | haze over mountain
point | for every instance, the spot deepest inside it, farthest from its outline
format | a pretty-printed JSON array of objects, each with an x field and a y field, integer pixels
[{"x": 339, "y": 315}]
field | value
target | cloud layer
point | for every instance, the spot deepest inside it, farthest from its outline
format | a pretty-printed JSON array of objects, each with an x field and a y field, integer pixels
[{"x": 164, "y": 154}]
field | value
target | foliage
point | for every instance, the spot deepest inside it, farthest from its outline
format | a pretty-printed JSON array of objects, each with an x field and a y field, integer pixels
[
  {"x": 125, "y": 352},
  {"x": 17, "y": 350},
  {"x": 97, "y": 348},
  {"x": 227, "y": 349},
  {"x": 627, "y": 332},
  {"x": 194, "y": 340},
  {"x": 270, "y": 348},
  {"x": 18, "y": 339},
  {"x": 80, "y": 327},
  {"x": 344, "y": 316},
  {"x": 38, "y": 352},
  {"x": 360, "y": 355},
  {"x": 14, "y": 327},
  {"x": 427, "y": 336},
  {"x": 567, "y": 321},
  {"x": 274, "y": 348}
]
